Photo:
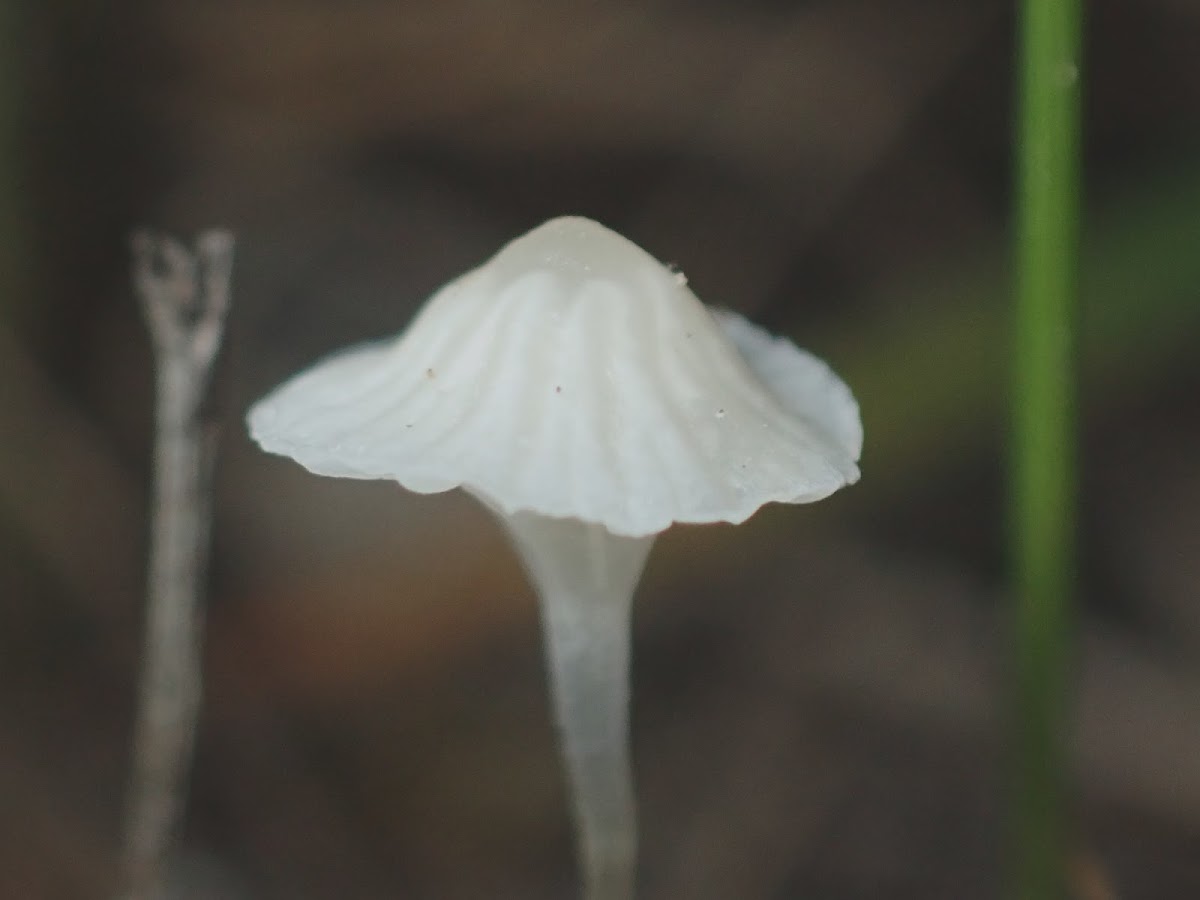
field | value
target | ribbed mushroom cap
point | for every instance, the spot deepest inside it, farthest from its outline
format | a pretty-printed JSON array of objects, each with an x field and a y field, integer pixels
[{"x": 573, "y": 375}]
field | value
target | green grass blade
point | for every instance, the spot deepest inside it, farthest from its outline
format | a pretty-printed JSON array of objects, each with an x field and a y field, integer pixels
[{"x": 1044, "y": 435}]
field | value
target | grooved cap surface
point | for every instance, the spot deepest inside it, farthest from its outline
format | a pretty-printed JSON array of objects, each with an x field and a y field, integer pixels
[{"x": 574, "y": 375}]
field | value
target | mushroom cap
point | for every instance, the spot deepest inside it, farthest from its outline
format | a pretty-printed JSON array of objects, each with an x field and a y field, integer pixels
[{"x": 573, "y": 375}]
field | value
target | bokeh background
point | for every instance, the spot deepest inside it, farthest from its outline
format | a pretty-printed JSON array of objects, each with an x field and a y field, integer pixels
[{"x": 820, "y": 694}]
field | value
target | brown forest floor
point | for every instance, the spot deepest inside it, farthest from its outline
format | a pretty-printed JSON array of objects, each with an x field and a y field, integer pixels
[{"x": 820, "y": 693}]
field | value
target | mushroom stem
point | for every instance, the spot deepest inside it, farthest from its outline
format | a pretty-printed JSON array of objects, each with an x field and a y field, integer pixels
[{"x": 585, "y": 577}]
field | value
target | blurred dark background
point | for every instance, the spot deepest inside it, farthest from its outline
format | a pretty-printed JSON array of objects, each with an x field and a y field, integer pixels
[{"x": 820, "y": 696}]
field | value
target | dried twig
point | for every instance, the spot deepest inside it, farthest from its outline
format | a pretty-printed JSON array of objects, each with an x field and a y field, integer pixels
[{"x": 184, "y": 296}]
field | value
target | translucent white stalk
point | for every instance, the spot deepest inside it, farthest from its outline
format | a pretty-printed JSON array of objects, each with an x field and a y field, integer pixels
[{"x": 585, "y": 577}]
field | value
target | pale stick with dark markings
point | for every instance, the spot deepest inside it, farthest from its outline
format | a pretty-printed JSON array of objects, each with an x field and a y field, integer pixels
[{"x": 184, "y": 296}]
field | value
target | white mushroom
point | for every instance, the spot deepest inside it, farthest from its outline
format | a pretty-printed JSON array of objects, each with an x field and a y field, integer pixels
[{"x": 579, "y": 389}]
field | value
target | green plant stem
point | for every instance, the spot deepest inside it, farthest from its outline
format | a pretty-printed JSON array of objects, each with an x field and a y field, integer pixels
[{"x": 1044, "y": 434}]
